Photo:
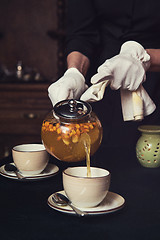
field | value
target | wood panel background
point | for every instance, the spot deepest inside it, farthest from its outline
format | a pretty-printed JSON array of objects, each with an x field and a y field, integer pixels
[{"x": 24, "y": 26}]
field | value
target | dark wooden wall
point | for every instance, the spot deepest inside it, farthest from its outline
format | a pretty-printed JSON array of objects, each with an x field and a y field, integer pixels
[{"x": 24, "y": 27}]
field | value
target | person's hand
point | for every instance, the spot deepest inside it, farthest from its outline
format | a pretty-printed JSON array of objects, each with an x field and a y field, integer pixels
[
  {"x": 127, "y": 70},
  {"x": 71, "y": 85}
]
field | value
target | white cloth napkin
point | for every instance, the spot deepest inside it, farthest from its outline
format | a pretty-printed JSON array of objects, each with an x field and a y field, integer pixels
[
  {"x": 95, "y": 92},
  {"x": 135, "y": 105}
]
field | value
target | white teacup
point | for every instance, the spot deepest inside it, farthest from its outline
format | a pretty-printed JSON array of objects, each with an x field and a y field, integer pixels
[
  {"x": 86, "y": 191},
  {"x": 30, "y": 159}
]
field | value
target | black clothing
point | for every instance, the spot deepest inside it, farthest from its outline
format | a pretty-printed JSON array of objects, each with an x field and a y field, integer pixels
[
  {"x": 107, "y": 24},
  {"x": 98, "y": 28}
]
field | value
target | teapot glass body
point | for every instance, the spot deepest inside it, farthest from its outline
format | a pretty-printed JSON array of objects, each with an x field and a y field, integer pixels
[{"x": 67, "y": 137}]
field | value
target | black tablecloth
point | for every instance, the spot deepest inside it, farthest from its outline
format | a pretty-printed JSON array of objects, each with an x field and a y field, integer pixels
[{"x": 25, "y": 215}]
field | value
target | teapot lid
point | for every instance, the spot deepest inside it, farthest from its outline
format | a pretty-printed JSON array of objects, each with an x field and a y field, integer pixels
[{"x": 72, "y": 109}]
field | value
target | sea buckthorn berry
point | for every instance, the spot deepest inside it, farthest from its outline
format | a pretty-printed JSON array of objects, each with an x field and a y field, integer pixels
[
  {"x": 46, "y": 124},
  {"x": 50, "y": 126},
  {"x": 75, "y": 138},
  {"x": 66, "y": 141},
  {"x": 91, "y": 126},
  {"x": 86, "y": 126},
  {"x": 78, "y": 132},
  {"x": 77, "y": 126},
  {"x": 54, "y": 128},
  {"x": 57, "y": 125},
  {"x": 59, "y": 130}
]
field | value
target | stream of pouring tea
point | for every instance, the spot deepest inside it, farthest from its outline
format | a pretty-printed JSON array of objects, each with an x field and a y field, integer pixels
[{"x": 87, "y": 146}]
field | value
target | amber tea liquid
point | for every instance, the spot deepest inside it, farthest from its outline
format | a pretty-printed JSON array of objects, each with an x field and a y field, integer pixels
[{"x": 71, "y": 142}]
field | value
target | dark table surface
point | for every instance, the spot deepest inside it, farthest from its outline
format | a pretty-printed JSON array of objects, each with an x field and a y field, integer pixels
[{"x": 25, "y": 215}]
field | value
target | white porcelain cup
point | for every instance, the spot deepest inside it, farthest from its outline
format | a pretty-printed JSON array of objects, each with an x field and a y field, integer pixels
[
  {"x": 30, "y": 159},
  {"x": 86, "y": 191}
]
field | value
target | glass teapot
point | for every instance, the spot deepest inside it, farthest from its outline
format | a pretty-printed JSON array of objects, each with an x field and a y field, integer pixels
[{"x": 69, "y": 128}]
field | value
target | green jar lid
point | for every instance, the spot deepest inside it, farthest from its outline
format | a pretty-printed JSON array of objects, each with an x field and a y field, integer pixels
[{"x": 149, "y": 128}]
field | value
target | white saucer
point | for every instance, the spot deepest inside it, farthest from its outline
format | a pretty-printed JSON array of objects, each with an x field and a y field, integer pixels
[
  {"x": 49, "y": 171},
  {"x": 111, "y": 203}
]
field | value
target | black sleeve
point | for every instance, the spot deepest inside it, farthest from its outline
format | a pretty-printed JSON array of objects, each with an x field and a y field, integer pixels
[{"x": 82, "y": 32}]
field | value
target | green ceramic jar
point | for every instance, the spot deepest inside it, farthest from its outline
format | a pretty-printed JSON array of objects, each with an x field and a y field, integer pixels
[{"x": 148, "y": 146}]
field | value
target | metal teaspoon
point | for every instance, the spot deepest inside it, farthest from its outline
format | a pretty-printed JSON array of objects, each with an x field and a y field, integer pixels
[
  {"x": 62, "y": 200},
  {"x": 11, "y": 168}
]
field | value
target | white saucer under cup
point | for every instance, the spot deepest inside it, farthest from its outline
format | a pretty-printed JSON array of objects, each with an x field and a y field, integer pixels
[
  {"x": 112, "y": 203},
  {"x": 50, "y": 171}
]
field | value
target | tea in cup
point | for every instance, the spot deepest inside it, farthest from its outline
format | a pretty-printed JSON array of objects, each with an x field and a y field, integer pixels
[
  {"x": 30, "y": 159},
  {"x": 84, "y": 191}
]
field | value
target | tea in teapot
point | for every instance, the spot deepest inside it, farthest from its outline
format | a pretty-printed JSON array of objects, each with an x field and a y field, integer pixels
[{"x": 71, "y": 131}]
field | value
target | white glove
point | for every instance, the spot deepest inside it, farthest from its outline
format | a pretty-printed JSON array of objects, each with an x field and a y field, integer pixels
[
  {"x": 132, "y": 62},
  {"x": 126, "y": 70},
  {"x": 71, "y": 85}
]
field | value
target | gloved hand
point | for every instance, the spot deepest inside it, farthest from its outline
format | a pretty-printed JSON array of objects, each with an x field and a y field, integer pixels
[
  {"x": 126, "y": 70},
  {"x": 71, "y": 85}
]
